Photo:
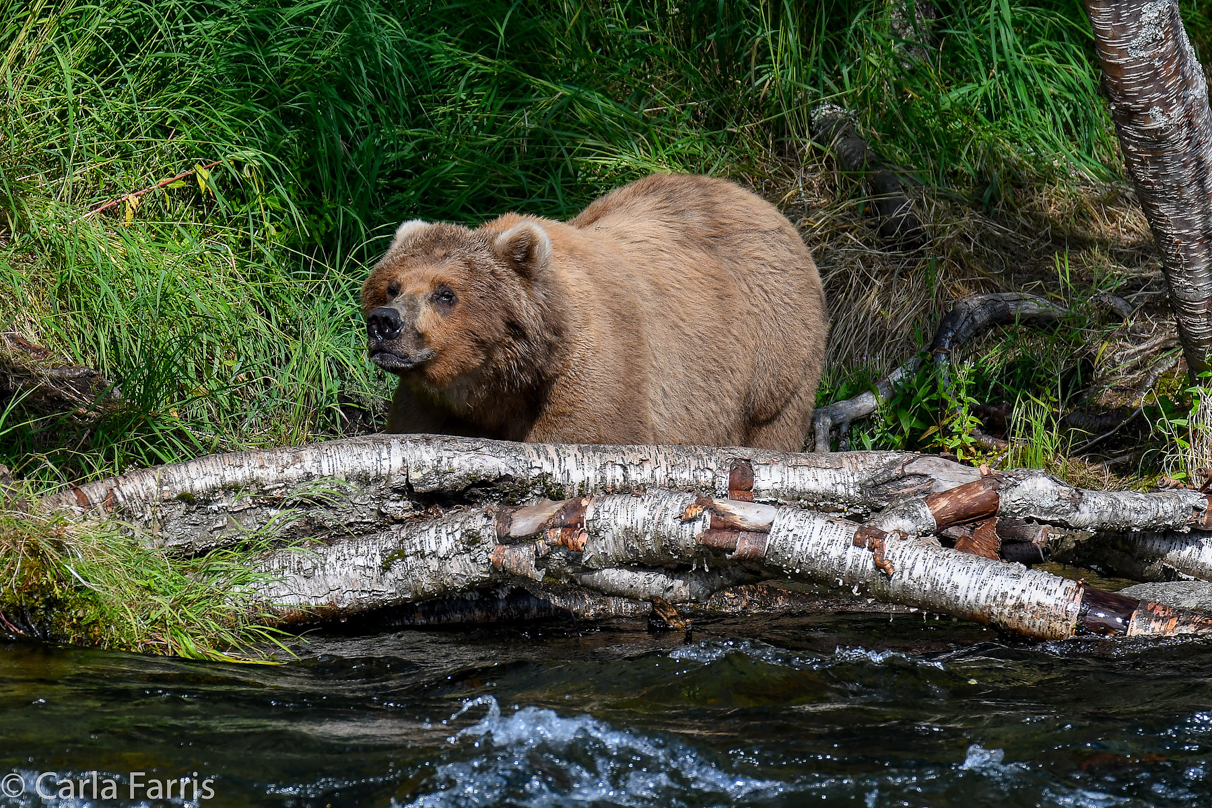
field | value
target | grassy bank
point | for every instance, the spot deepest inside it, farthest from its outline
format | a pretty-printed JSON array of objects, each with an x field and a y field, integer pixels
[
  {"x": 220, "y": 309},
  {"x": 98, "y": 584}
]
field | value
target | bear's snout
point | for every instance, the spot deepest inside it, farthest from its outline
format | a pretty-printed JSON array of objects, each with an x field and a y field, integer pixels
[
  {"x": 383, "y": 324},
  {"x": 392, "y": 344}
]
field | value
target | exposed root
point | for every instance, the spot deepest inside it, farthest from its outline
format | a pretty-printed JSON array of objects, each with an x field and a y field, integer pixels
[{"x": 898, "y": 223}]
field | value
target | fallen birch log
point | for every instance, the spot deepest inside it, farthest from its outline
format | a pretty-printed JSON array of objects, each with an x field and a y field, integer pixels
[
  {"x": 1145, "y": 556},
  {"x": 1028, "y": 494},
  {"x": 402, "y": 519},
  {"x": 362, "y": 485},
  {"x": 599, "y": 541},
  {"x": 1145, "y": 536}
]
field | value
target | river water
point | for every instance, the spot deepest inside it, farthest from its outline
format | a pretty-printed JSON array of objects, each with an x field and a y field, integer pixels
[{"x": 859, "y": 709}]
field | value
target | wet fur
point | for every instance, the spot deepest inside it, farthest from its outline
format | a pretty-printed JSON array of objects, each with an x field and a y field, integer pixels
[{"x": 678, "y": 309}]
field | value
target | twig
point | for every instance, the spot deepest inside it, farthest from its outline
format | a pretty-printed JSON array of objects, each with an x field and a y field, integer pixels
[
  {"x": 1159, "y": 343},
  {"x": 137, "y": 194}
]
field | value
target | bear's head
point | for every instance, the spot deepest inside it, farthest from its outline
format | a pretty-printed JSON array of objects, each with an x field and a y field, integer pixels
[{"x": 447, "y": 304}]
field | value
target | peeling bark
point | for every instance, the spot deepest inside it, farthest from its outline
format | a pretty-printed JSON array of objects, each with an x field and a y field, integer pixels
[{"x": 1159, "y": 103}]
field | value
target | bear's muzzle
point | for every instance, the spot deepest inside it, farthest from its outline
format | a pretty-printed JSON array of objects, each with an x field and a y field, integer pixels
[{"x": 392, "y": 344}]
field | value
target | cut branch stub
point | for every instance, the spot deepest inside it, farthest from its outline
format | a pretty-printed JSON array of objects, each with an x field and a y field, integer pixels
[
  {"x": 964, "y": 503},
  {"x": 736, "y": 515},
  {"x": 740, "y": 481},
  {"x": 561, "y": 523}
]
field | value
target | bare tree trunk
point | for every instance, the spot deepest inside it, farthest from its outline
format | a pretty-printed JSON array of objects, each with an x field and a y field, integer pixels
[{"x": 1159, "y": 102}]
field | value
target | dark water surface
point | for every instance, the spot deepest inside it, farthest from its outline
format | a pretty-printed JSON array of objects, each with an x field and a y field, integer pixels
[{"x": 850, "y": 709}]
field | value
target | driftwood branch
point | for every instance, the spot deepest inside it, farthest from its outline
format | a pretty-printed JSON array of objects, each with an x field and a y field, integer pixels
[{"x": 969, "y": 318}]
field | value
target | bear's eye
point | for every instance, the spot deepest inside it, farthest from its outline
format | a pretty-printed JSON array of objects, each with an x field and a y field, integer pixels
[
  {"x": 393, "y": 289},
  {"x": 444, "y": 297}
]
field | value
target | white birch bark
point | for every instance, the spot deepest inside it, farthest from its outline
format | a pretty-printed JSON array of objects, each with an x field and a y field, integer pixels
[
  {"x": 665, "y": 529},
  {"x": 1159, "y": 103},
  {"x": 1145, "y": 556},
  {"x": 405, "y": 563},
  {"x": 361, "y": 485}
]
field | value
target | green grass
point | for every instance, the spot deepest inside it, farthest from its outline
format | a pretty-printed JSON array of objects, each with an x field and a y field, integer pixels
[{"x": 99, "y": 584}]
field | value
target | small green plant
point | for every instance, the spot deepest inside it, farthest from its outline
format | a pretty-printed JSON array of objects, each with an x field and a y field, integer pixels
[
  {"x": 927, "y": 412},
  {"x": 1185, "y": 423}
]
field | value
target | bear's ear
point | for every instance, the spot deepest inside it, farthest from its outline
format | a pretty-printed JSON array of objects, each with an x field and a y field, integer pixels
[
  {"x": 407, "y": 232},
  {"x": 526, "y": 246}
]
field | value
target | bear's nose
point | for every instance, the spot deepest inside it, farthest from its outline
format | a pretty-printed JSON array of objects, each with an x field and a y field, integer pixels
[{"x": 383, "y": 323}]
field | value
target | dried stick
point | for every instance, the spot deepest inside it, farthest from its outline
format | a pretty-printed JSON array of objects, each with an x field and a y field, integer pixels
[{"x": 140, "y": 193}]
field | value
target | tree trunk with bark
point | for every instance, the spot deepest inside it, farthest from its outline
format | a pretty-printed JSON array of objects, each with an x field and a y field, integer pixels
[{"x": 1159, "y": 102}]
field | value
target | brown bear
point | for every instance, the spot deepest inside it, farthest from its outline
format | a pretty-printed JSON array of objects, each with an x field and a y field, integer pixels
[{"x": 677, "y": 309}]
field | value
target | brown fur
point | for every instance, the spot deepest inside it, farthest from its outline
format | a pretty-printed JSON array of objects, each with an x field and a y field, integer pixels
[{"x": 678, "y": 309}]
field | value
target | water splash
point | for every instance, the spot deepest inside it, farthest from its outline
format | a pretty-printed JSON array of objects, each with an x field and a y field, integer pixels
[
  {"x": 536, "y": 757},
  {"x": 981, "y": 759}
]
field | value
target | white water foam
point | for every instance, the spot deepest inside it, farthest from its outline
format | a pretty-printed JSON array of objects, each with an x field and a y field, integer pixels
[
  {"x": 709, "y": 651},
  {"x": 536, "y": 757}
]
